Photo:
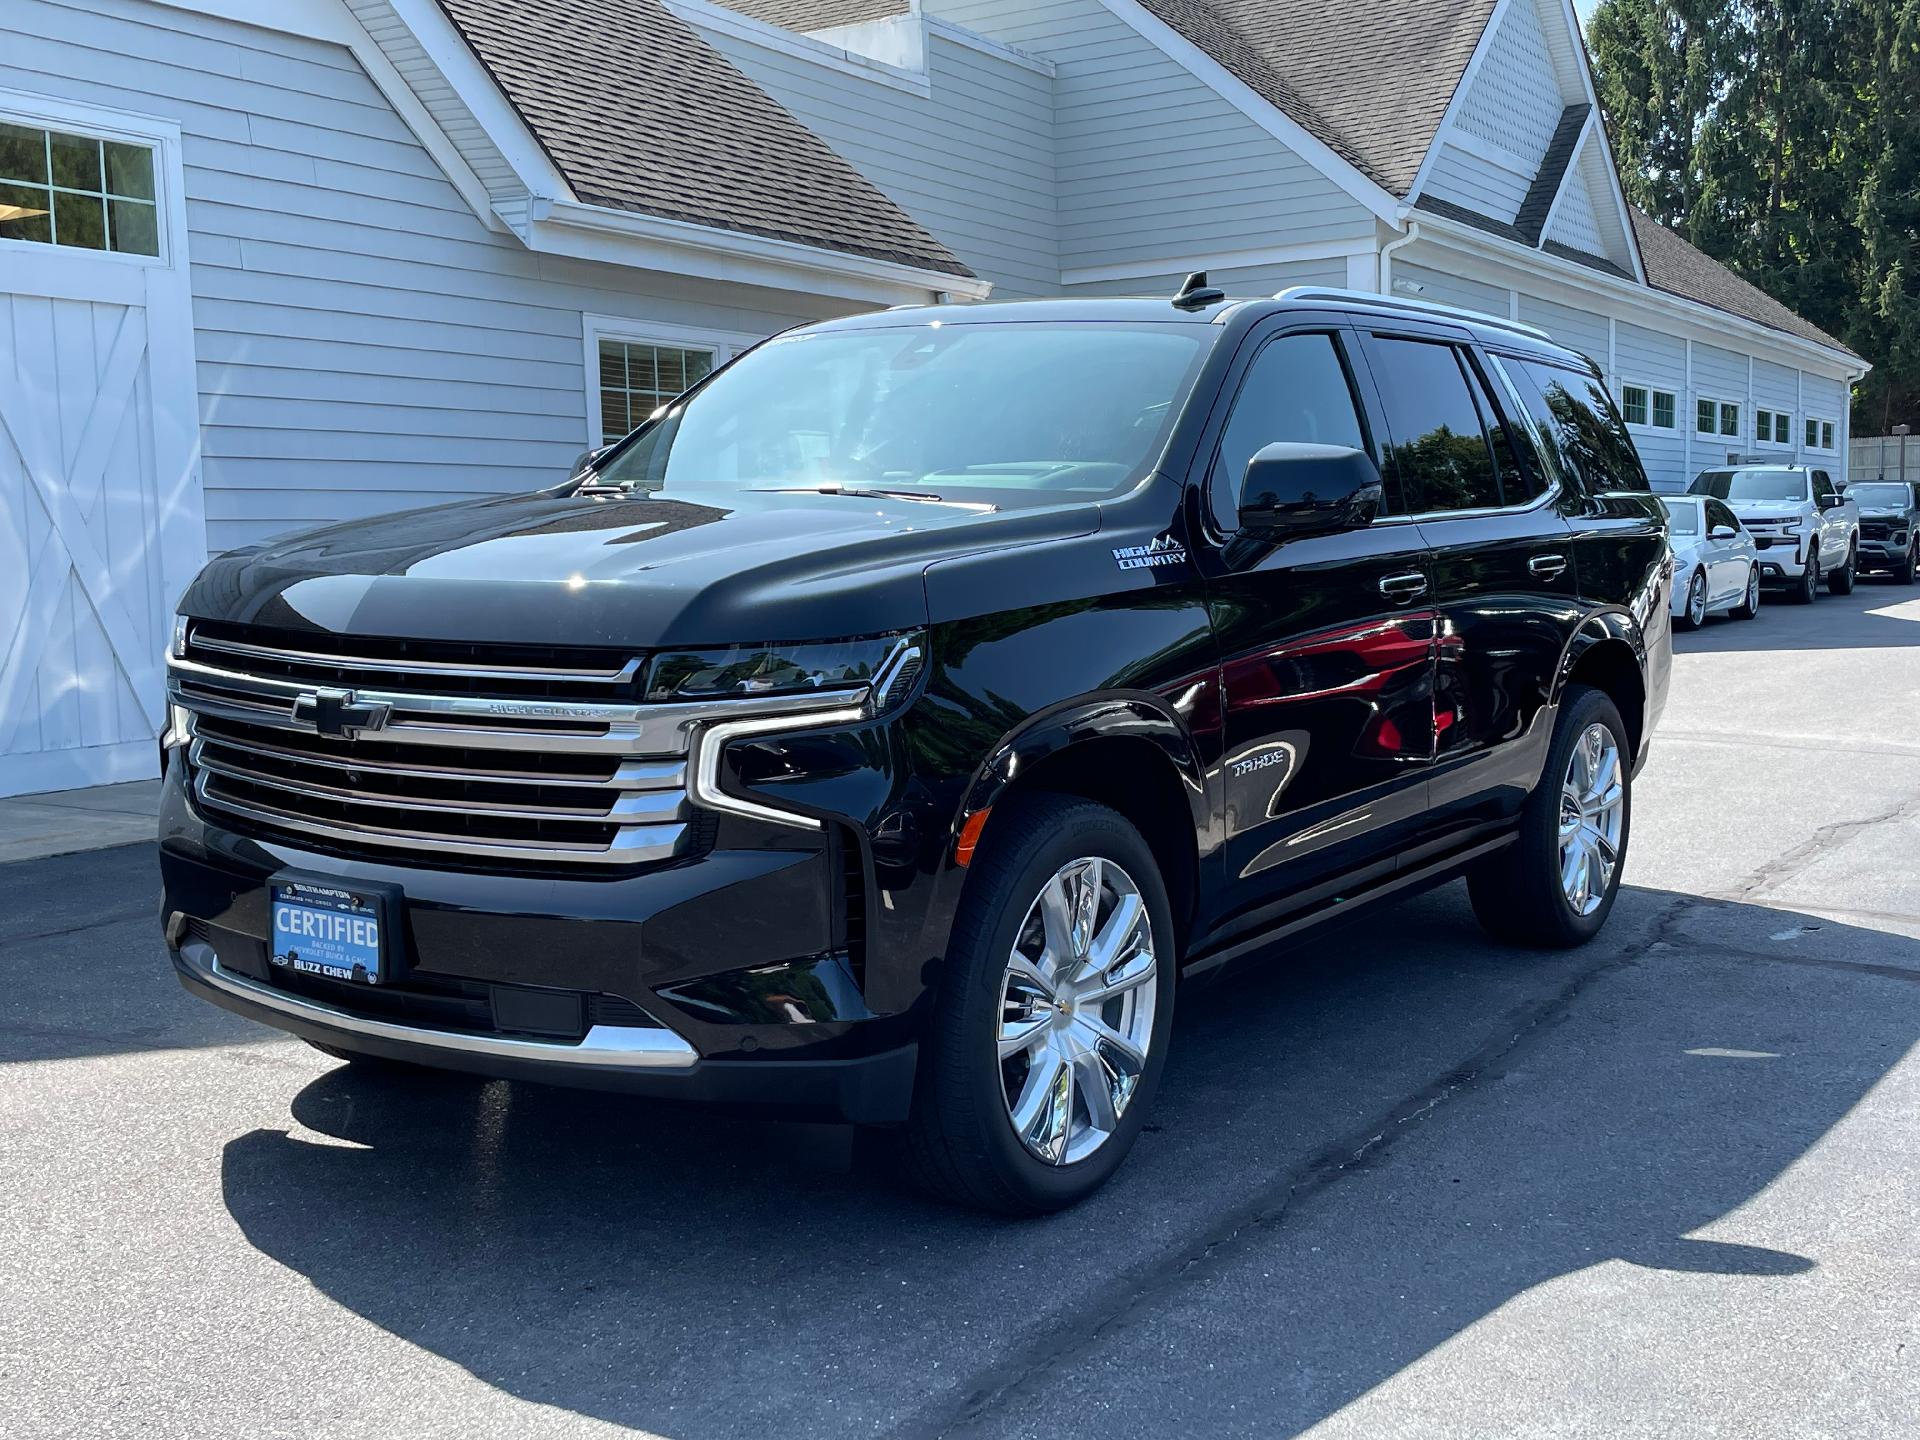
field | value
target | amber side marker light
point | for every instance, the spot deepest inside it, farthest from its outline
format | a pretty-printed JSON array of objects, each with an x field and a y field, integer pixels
[{"x": 969, "y": 837}]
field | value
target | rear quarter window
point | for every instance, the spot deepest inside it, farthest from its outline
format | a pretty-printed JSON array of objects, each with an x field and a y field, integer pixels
[{"x": 1578, "y": 418}]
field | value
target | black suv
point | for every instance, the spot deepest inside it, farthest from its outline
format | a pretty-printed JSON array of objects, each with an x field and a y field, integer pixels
[
  {"x": 1889, "y": 527},
  {"x": 883, "y": 730}
]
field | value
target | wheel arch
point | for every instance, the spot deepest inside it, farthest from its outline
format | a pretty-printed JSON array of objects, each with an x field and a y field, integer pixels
[
  {"x": 1608, "y": 652},
  {"x": 1126, "y": 751}
]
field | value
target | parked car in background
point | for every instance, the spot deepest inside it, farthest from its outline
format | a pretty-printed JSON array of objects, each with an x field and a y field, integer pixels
[
  {"x": 1804, "y": 527},
  {"x": 1889, "y": 526},
  {"x": 1716, "y": 565},
  {"x": 821, "y": 749}
]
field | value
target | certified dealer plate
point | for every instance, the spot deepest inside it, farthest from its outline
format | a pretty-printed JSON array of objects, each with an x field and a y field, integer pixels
[{"x": 328, "y": 930}]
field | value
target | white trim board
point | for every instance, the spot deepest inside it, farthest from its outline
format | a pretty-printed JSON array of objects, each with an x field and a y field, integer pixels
[{"x": 1445, "y": 130}]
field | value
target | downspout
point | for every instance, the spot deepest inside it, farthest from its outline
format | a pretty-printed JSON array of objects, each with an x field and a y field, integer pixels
[{"x": 1386, "y": 255}]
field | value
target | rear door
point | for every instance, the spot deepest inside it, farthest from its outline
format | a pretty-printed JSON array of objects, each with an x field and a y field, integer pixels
[
  {"x": 1727, "y": 575},
  {"x": 1504, "y": 582},
  {"x": 1326, "y": 645}
]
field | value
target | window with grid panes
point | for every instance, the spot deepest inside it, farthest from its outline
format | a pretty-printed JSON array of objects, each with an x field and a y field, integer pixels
[
  {"x": 1663, "y": 401},
  {"x": 77, "y": 190},
  {"x": 636, "y": 378}
]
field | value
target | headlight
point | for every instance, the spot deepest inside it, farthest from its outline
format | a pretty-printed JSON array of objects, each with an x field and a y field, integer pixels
[{"x": 745, "y": 671}]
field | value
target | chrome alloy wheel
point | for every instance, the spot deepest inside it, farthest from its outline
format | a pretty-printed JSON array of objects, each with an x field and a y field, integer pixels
[
  {"x": 1076, "y": 1010},
  {"x": 1697, "y": 601},
  {"x": 1592, "y": 806}
]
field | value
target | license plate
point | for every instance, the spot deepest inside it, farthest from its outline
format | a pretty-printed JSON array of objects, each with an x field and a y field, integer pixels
[{"x": 328, "y": 930}]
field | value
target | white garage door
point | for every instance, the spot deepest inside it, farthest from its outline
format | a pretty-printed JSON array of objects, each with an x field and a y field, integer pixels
[{"x": 101, "y": 524}]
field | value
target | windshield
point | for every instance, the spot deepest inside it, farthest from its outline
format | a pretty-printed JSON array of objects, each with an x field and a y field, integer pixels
[
  {"x": 1751, "y": 484},
  {"x": 1684, "y": 518},
  {"x": 1011, "y": 413},
  {"x": 1875, "y": 496}
]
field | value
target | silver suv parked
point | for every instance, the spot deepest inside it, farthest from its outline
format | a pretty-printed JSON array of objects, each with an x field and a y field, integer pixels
[{"x": 1802, "y": 524}]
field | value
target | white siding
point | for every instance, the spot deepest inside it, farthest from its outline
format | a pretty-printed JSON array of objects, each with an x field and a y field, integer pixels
[
  {"x": 364, "y": 343},
  {"x": 1576, "y": 328},
  {"x": 1247, "y": 282},
  {"x": 1440, "y": 288},
  {"x": 1152, "y": 164},
  {"x": 1574, "y": 222},
  {"x": 1514, "y": 102},
  {"x": 1483, "y": 185},
  {"x": 972, "y": 160}
]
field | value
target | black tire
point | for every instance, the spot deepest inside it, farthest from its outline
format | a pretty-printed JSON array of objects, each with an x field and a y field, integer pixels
[
  {"x": 1695, "y": 614},
  {"x": 1516, "y": 892},
  {"x": 960, "y": 1143},
  {"x": 1749, "y": 607},
  {"x": 1905, "y": 574},
  {"x": 1807, "y": 589},
  {"x": 1840, "y": 582}
]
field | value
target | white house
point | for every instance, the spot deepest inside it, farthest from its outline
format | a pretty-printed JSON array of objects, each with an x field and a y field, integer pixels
[{"x": 266, "y": 265}]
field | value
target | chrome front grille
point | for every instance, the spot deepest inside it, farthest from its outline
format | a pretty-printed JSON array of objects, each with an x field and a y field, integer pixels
[{"x": 472, "y": 757}]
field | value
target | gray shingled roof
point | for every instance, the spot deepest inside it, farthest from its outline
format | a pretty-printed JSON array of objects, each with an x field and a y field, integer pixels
[
  {"x": 806, "y": 15},
  {"x": 639, "y": 113},
  {"x": 1676, "y": 267},
  {"x": 1370, "y": 81}
]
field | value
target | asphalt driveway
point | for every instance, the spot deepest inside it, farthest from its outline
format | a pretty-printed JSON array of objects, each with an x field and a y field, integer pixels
[{"x": 1402, "y": 1182}]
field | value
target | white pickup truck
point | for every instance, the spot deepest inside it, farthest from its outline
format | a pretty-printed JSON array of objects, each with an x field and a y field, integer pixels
[{"x": 1803, "y": 526}]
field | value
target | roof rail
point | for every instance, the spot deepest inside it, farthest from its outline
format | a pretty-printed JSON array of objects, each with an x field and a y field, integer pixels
[{"x": 1425, "y": 307}]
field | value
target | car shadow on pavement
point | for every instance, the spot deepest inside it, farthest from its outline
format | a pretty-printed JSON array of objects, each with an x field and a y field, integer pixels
[
  {"x": 1356, "y": 1155},
  {"x": 1880, "y": 614}
]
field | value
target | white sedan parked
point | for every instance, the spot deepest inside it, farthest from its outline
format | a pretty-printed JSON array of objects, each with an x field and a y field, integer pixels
[{"x": 1715, "y": 562}]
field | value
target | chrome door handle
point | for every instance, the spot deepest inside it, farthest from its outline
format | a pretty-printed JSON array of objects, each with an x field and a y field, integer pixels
[
  {"x": 1547, "y": 566},
  {"x": 1403, "y": 587}
]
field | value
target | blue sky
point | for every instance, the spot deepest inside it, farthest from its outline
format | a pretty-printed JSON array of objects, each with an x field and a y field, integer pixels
[{"x": 1585, "y": 10}]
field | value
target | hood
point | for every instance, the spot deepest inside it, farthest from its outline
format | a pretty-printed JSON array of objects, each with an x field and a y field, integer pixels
[
  {"x": 1768, "y": 509},
  {"x": 637, "y": 571}
]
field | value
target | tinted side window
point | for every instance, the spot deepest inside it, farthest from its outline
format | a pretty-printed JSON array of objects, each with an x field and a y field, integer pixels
[
  {"x": 1822, "y": 486},
  {"x": 1523, "y": 475},
  {"x": 1718, "y": 515},
  {"x": 1296, "y": 389},
  {"x": 1439, "y": 449},
  {"x": 1587, "y": 432}
]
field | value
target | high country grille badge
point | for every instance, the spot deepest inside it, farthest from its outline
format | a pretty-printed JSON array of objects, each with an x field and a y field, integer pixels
[{"x": 1164, "y": 551}]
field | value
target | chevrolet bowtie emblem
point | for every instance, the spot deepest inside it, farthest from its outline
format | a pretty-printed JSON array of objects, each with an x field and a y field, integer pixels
[{"x": 339, "y": 713}]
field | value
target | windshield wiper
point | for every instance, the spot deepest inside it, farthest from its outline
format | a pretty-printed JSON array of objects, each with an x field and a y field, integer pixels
[{"x": 861, "y": 493}]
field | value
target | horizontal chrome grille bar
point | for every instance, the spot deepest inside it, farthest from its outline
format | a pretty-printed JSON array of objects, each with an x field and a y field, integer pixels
[
  {"x": 631, "y": 846},
  {"x": 639, "y": 808},
  {"x": 466, "y": 669},
  {"x": 454, "y": 778}
]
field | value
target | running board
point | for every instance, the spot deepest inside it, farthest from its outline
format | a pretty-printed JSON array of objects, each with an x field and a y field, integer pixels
[{"x": 1398, "y": 886}]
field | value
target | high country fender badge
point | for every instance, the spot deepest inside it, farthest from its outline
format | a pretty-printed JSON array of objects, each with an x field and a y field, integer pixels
[{"x": 1162, "y": 551}]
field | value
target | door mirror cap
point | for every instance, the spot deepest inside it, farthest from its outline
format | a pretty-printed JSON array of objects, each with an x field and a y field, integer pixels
[
  {"x": 1293, "y": 489},
  {"x": 1833, "y": 502},
  {"x": 1723, "y": 532}
]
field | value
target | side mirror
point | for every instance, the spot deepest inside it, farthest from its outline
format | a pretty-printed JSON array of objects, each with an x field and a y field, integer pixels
[
  {"x": 1723, "y": 532},
  {"x": 1291, "y": 490},
  {"x": 1833, "y": 502},
  {"x": 586, "y": 459}
]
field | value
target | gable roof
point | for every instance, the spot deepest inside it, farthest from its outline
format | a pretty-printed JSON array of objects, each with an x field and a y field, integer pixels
[
  {"x": 1679, "y": 269},
  {"x": 804, "y": 15},
  {"x": 679, "y": 133},
  {"x": 1371, "y": 81}
]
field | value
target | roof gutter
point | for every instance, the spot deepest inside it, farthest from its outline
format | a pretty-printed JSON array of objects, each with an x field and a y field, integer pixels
[{"x": 629, "y": 237}]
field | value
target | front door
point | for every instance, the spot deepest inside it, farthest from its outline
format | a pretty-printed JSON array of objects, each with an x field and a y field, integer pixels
[
  {"x": 1504, "y": 583},
  {"x": 101, "y": 525},
  {"x": 1326, "y": 646}
]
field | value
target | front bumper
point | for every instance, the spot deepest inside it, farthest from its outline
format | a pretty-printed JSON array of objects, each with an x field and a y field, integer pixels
[
  {"x": 1781, "y": 561},
  {"x": 653, "y": 1062},
  {"x": 724, "y": 978},
  {"x": 1881, "y": 554}
]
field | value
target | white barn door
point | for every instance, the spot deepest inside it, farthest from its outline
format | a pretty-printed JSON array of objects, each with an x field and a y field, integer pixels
[{"x": 101, "y": 520}]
